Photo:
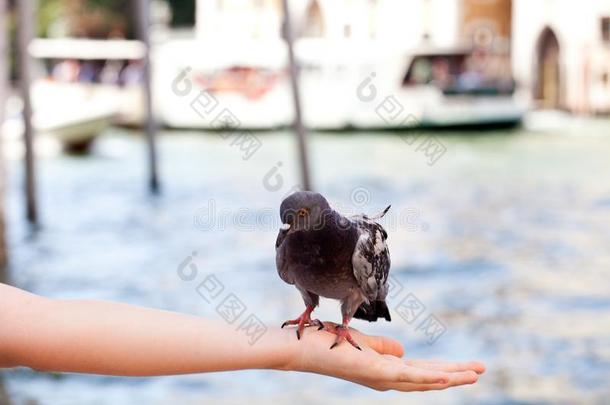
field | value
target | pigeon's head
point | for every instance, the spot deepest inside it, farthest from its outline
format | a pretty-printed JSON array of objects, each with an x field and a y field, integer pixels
[{"x": 303, "y": 210}]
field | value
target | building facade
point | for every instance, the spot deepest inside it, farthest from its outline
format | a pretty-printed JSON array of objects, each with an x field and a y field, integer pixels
[
  {"x": 557, "y": 50},
  {"x": 396, "y": 22},
  {"x": 561, "y": 53}
]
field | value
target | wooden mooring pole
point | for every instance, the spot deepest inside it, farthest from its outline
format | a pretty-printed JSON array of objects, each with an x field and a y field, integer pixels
[
  {"x": 150, "y": 126},
  {"x": 4, "y": 398},
  {"x": 25, "y": 30},
  {"x": 3, "y": 96},
  {"x": 299, "y": 128}
]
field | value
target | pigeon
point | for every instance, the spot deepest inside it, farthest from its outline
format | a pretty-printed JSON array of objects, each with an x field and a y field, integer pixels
[{"x": 323, "y": 253}]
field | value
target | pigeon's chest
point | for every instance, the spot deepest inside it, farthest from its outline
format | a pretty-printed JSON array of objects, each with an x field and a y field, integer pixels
[{"x": 322, "y": 262}]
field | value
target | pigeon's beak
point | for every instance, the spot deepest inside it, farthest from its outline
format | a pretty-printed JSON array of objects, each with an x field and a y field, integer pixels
[
  {"x": 284, "y": 231},
  {"x": 288, "y": 228}
]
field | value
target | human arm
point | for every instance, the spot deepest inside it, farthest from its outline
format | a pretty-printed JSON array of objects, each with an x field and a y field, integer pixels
[{"x": 118, "y": 339}]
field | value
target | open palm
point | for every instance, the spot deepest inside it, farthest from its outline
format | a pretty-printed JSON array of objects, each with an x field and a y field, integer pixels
[{"x": 379, "y": 365}]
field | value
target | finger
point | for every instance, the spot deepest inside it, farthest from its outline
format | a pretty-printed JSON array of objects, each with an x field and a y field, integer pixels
[
  {"x": 475, "y": 366},
  {"x": 457, "y": 379},
  {"x": 393, "y": 358},
  {"x": 399, "y": 372},
  {"x": 384, "y": 345}
]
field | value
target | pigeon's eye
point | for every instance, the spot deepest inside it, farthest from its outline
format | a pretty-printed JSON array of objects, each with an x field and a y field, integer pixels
[{"x": 303, "y": 212}]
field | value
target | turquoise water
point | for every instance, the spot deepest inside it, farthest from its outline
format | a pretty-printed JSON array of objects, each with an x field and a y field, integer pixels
[{"x": 505, "y": 240}]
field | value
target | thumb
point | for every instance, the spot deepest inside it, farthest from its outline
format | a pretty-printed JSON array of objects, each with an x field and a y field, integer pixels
[{"x": 384, "y": 345}]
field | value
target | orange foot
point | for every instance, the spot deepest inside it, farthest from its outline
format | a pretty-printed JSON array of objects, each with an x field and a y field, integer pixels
[
  {"x": 303, "y": 321},
  {"x": 342, "y": 332}
]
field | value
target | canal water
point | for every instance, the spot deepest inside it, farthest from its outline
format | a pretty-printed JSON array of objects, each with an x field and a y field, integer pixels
[{"x": 502, "y": 241}]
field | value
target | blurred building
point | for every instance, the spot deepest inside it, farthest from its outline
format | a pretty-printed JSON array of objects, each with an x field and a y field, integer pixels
[
  {"x": 487, "y": 24},
  {"x": 395, "y": 24},
  {"x": 557, "y": 50},
  {"x": 250, "y": 19},
  {"x": 486, "y": 27},
  {"x": 398, "y": 23},
  {"x": 561, "y": 51}
]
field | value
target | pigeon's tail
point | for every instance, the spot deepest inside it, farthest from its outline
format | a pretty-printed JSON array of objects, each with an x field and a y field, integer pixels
[
  {"x": 381, "y": 214},
  {"x": 373, "y": 311}
]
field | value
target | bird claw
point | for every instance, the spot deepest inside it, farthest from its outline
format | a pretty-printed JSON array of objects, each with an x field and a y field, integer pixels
[
  {"x": 316, "y": 322},
  {"x": 342, "y": 333},
  {"x": 311, "y": 322},
  {"x": 303, "y": 321}
]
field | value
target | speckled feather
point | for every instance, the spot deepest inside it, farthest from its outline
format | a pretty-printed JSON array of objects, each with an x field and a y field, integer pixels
[{"x": 371, "y": 259}]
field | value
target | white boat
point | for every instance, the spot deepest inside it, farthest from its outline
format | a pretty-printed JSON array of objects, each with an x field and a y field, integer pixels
[
  {"x": 245, "y": 80},
  {"x": 75, "y": 114},
  {"x": 344, "y": 84}
]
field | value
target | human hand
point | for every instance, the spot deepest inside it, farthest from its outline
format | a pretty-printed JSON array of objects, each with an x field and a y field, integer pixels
[
  {"x": 379, "y": 365},
  {"x": 97, "y": 337}
]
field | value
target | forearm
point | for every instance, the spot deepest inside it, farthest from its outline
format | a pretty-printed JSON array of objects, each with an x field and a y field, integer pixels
[{"x": 119, "y": 339}]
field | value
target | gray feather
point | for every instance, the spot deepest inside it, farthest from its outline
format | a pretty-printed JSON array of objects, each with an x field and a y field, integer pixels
[{"x": 371, "y": 259}]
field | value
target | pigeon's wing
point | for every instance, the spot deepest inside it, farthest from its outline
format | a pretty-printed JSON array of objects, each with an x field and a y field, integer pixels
[
  {"x": 281, "y": 262},
  {"x": 371, "y": 258}
]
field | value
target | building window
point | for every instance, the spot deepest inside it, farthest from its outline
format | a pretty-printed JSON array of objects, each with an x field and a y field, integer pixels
[
  {"x": 347, "y": 31},
  {"x": 314, "y": 21},
  {"x": 182, "y": 13},
  {"x": 605, "y": 25}
]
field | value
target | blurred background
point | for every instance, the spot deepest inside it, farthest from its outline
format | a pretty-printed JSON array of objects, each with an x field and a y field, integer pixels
[{"x": 145, "y": 139}]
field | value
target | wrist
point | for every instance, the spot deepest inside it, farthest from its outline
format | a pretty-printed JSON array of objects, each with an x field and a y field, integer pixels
[{"x": 281, "y": 350}]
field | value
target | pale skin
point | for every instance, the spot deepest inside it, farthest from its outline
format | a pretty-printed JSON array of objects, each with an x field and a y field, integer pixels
[{"x": 99, "y": 337}]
